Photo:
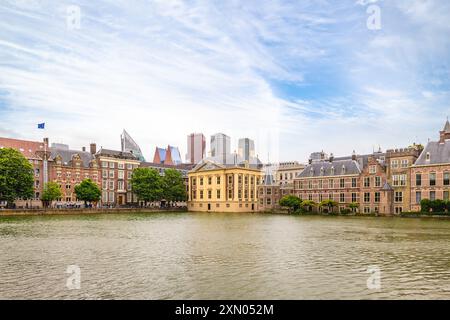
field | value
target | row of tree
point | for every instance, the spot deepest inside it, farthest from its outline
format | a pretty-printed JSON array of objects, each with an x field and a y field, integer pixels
[
  {"x": 436, "y": 206},
  {"x": 17, "y": 182},
  {"x": 294, "y": 204}
]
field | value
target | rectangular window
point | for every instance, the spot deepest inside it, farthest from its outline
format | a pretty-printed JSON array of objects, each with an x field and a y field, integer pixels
[
  {"x": 209, "y": 180},
  {"x": 104, "y": 174},
  {"x": 372, "y": 169},
  {"x": 394, "y": 164},
  {"x": 377, "y": 197},
  {"x": 240, "y": 178},
  {"x": 201, "y": 194},
  {"x": 120, "y": 185},
  {"x": 230, "y": 179},
  {"x": 129, "y": 175},
  {"x": 269, "y": 201},
  {"x": 209, "y": 194},
  {"x": 105, "y": 165},
  {"x": 331, "y": 184},
  {"x": 366, "y": 182},
  {"x": 320, "y": 184},
  {"x": 239, "y": 194},
  {"x": 342, "y": 183},
  {"x": 404, "y": 163},
  {"x": 398, "y": 197},
  {"x": 446, "y": 195},
  {"x": 111, "y": 197},
  {"x": 366, "y": 197},
  {"x": 354, "y": 182},
  {"x": 354, "y": 197},
  {"x": 230, "y": 194},
  {"x": 129, "y": 166},
  {"x": 432, "y": 179},
  {"x": 418, "y": 196},
  {"x": 121, "y": 165},
  {"x": 432, "y": 195},
  {"x": 111, "y": 174},
  {"x": 121, "y": 174},
  {"x": 309, "y": 184},
  {"x": 418, "y": 179},
  {"x": 218, "y": 194},
  {"x": 111, "y": 185},
  {"x": 112, "y": 165},
  {"x": 218, "y": 180},
  {"x": 446, "y": 178},
  {"x": 377, "y": 181},
  {"x": 342, "y": 197},
  {"x": 201, "y": 181}
]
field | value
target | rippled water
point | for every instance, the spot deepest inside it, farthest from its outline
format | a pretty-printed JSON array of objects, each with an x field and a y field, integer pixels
[{"x": 223, "y": 256}]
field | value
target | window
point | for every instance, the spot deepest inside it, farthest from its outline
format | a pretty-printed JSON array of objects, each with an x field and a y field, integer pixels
[
  {"x": 209, "y": 180},
  {"x": 342, "y": 183},
  {"x": 432, "y": 195},
  {"x": 446, "y": 178},
  {"x": 354, "y": 197},
  {"x": 111, "y": 197},
  {"x": 372, "y": 169},
  {"x": 432, "y": 179},
  {"x": 269, "y": 191},
  {"x": 331, "y": 184},
  {"x": 218, "y": 194},
  {"x": 332, "y": 171},
  {"x": 201, "y": 181},
  {"x": 398, "y": 210},
  {"x": 394, "y": 164},
  {"x": 269, "y": 201},
  {"x": 330, "y": 196},
  {"x": 377, "y": 181},
  {"x": 428, "y": 157},
  {"x": 129, "y": 175},
  {"x": 105, "y": 165},
  {"x": 366, "y": 197},
  {"x": 398, "y": 197},
  {"x": 418, "y": 179},
  {"x": 120, "y": 185},
  {"x": 446, "y": 195},
  {"x": 239, "y": 194},
  {"x": 404, "y": 163},
  {"x": 309, "y": 184},
  {"x": 112, "y": 165},
  {"x": 121, "y": 165},
  {"x": 366, "y": 209},
  {"x": 246, "y": 179},
  {"x": 377, "y": 197},
  {"x": 111, "y": 174},
  {"x": 121, "y": 174},
  {"x": 240, "y": 179},
  {"x": 320, "y": 197},
  {"x": 354, "y": 182},
  {"x": 104, "y": 184},
  {"x": 252, "y": 194},
  {"x": 209, "y": 194},
  {"x": 129, "y": 166},
  {"x": 343, "y": 169},
  {"x": 342, "y": 197},
  {"x": 201, "y": 194},
  {"x": 246, "y": 194},
  {"x": 321, "y": 171},
  {"x": 366, "y": 182},
  {"x": 230, "y": 179},
  {"x": 418, "y": 196},
  {"x": 320, "y": 184},
  {"x": 230, "y": 194},
  {"x": 399, "y": 180},
  {"x": 111, "y": 185}
]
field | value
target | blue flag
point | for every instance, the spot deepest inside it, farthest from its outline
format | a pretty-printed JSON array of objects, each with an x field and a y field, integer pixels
[{"x": 41, "y": 125}]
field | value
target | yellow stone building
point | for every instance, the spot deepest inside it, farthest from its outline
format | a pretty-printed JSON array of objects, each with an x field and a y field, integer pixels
[{"x": 215, "y": 187}]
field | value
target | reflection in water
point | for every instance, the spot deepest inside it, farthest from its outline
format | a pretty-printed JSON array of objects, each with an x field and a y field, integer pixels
[{"x": 223, "y": 256}]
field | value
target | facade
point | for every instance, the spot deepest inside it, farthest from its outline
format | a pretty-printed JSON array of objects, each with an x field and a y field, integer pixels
[
  {"x": 37, "y": 154},
  {"x": 269, "y": 193},
  {"x": 196, "y": 148},
  {"x": 330, "y": 179},
  {"x": 246, "y": 148},
  {"x": 430, "y": 174},
  {"x": 214, "y": 187},
  {"x": 129, "y": 145},
  {"x": 169, "y": 156},
  {"x": 116, "y": 170},
  {"x": 69, "y": 168},
  {"x": 375, "y": 191},
  {"x": 220, "y": 147}
]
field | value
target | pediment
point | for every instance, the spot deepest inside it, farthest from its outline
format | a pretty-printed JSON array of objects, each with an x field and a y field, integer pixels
[{"x": 208, "y": 165}]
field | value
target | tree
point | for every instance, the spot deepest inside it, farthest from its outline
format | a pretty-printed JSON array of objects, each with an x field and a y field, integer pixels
[
  {"x": 425, "y": 205},
  {"x": 16, "y": 176},
  {"x": 88, "y": 191},
  {"x": 173, "y": 187},
  {"x": 353, "y": 206},
  {"x": 51, "y": 192},
  {"x": 146, "y": 183},
  {"x": 291, "y": 202},
  {"x": 309, "y": 204},
  {"x": 329, "y": 204}
]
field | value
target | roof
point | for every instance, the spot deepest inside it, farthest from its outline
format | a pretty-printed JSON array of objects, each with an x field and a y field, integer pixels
[
  {"x": 387, "y": 187},
  {"x": 27, "y": 148},
  {"x": 447, "y": 126},
  {"x": 181, "y": 166},
  {"x": 439, "y": 153},
  {"x": 325, "y": 168},
  {"x": 129, "y": 145},
  {"x": 210, "y": 164},
  {"x": 175, "y": 153},
  {"x": 66, "y": 155},
  {"x": 162, "y": 153},
  {"x": 116, "y": 154}
]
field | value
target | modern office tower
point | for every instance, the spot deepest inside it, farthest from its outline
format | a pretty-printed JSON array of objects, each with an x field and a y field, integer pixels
[
  {"x": 196, "y": 148},
  {"x": 246, "y": 149},
  {"x": 220, "y": 147},
  {"x": 128, "y": 145}
]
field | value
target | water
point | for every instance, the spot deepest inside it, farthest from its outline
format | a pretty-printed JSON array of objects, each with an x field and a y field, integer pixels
[{"x": 223, "y": 256}]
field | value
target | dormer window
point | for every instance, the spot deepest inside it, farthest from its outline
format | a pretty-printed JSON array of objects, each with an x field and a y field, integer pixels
[
  {"x": 321, "y": 171},
  {"x": 311, "y": 172},
  {"x": 428, "y": 157},
  {"x": 343, "y": 169},
  {"x": 332, "y": 171}
]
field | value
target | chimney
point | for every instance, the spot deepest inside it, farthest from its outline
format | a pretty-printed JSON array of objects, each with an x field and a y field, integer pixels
[
  {"x": 46, "y": 142},
  {"x": 331, "y": 157},
  {"x": 354, "y": 155},
  {"x": 83, "y": 149},
  {"x": 93, "y": 148}
]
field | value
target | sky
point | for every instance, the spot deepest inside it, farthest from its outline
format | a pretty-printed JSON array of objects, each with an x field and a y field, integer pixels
[{"x": 295, "y": 76}]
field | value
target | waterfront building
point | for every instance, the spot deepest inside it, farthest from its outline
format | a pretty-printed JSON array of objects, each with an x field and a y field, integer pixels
[
  {"x": 116, "y": 170},
  {"x": 269, "y": 193},
  {"x": 37, "y": 154},
  {"x": 169, "y": 156},
  {"x": 68, "y": 168},
  {"x": 246, "y": 148},
  {"x": 129, "y": 145},
  {"x": 430, "y": 174},
  {"x": 220, "y": 147},
  {"x": 217, "y": 187},
  {"x": 196, "y": 148},
  {"x": 330, "y": 179}
]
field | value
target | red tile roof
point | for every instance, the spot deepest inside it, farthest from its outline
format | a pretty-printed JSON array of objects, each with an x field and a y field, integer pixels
[{"x": 27, "y": 148}]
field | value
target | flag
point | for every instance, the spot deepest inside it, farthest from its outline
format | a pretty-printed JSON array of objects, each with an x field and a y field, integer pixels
[{"x": 41, "y": 125}]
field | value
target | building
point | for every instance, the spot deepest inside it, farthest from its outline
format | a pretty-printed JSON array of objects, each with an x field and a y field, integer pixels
[
  {"x": 430, "y": 174},
  {"x": 399, "y": 162},
  {"x": 69, "y": 168},
  {"x": 246, "y": 148},
  {"x": 269, "y": 193},
  {"x": 129, "y": 145},
  {"x": 216, "y": 187},
  {"x": 116, "y": 170},
  {"x": 220, "y": 147},
  {"x": 169, "y": 156},
  {"x": 331, "y": 179},
  {"x": 37, "y": 154},
  {"x": 196, "y": 148}
]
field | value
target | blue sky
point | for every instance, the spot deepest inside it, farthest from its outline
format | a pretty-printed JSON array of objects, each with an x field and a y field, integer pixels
[{"x": 296, "y": 76}]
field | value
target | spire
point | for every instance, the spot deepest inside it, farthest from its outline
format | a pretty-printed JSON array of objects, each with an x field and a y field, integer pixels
[{"x": 447, "y": 126}]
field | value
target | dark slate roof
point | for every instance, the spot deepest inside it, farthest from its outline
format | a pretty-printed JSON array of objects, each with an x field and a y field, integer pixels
[
  {"x": 387, "y": 187},
  {"x": 439, "y": 153},
  {"x": 117, "y": 154},
  {"x": 67, "y": 155},
  {"x": 181, "y": 166},
  {"x": 447, "y": 126},
  {"x": 314, "y": 169}
]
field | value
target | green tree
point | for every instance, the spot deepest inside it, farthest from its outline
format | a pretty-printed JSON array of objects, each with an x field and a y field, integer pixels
[
  {"x": 291, "y": 202},
  {"x": 146, "y": 183},
  {"x": 354, "y": 206},
  {"x": 425, "y": 205},
  {"x": 308, "y": 204},
  {"x": 51, "y": 192},
  {"x": 329, "y": 204},
  {"x": 88, "y": 191},
  {"x": 16, "y": 176},
  {"x": 173, "y": 187}
]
